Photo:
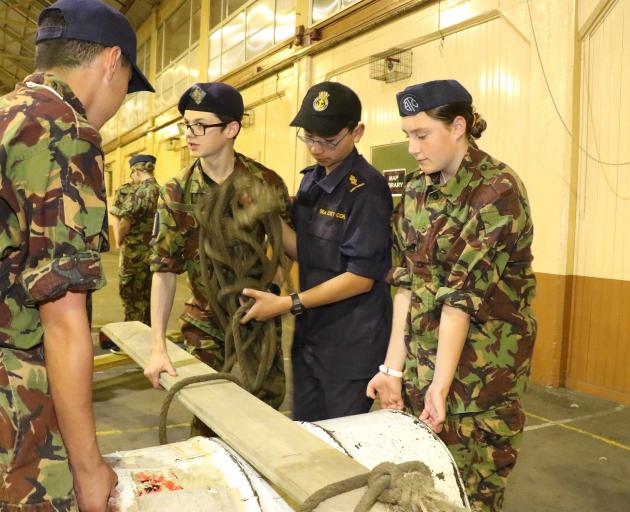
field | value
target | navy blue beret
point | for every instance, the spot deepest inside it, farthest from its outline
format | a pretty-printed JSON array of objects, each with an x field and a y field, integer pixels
[
  {"x": 138, "y": 159},
  {"x": 215, "y": 97},
  {"x": 95, "y": 21},
  {"x": 421, "y": 97}
]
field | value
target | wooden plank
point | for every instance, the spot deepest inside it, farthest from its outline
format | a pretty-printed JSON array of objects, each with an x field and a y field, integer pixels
[
  {"x": 293, "y": 460},
  {"x": 105, "y": 361}
]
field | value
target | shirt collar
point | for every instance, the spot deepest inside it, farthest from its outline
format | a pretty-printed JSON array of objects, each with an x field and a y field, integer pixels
[
  {"x": 454, "y": 187},
  {"x": 329, "y": 182},
  {"x": 197, "y": 175},
  {"x": 59, "y": 86}
]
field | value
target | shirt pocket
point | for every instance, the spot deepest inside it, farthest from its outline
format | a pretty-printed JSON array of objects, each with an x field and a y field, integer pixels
[{"x": 325, "y": 235}]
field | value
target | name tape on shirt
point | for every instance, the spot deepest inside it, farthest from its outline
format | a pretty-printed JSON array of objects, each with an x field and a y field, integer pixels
[{"x": 332, "y": 213}]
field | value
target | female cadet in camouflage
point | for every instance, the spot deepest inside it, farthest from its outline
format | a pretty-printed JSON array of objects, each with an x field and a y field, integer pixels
[
  {"x": 463, "y": 329},
  {"x": 136, "y": 214}
]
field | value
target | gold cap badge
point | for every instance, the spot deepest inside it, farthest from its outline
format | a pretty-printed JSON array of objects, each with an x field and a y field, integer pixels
[{"x": 321, "y": 102}]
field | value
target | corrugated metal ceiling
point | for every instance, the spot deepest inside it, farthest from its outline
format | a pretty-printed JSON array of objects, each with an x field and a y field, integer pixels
[{"x": 18, "y": 21}]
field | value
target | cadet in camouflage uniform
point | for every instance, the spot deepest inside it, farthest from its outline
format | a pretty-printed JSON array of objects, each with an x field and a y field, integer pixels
[
  {"x": 136, "y": 216},
  {"x": 119, "y": 196},
  {"x": 212, "y": 116},
  {"x": 53, "y": 226},
  {"x": 464, "y": 329}
]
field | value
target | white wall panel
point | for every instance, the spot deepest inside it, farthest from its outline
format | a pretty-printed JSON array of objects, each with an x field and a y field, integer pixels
[{"x": 602, "y": 234}]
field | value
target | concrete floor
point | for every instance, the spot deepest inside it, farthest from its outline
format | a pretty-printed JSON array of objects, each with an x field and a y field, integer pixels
[{"x": 575, "y": 456}]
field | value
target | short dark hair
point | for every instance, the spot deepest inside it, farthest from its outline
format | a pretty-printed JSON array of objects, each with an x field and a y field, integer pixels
[
  {"x": 475, "y": 124},
  {"x": 64, "y": 53},
  {"x": 229, "y": 119}
]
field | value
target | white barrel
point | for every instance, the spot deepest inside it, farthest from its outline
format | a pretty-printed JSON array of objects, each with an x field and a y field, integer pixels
[
  {"x": 204, "y": 474},
  {"x": 394, "y": 436}
]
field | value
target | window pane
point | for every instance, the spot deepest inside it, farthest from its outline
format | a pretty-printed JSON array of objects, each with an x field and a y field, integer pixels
[
  {"x": 195, "y": 22},
  {"x": 214, "y": 69},
  {"x": 285, "y": 20},
  {"x": 234, "y": 5},
  {"x": 259, "y": 41},
  {"x": 322, "y": 9},
  {"x": 215, "y": 44},
  {"x": 141, "y": 59},
  {"x": 285, "y": 7},
  {"x": 233, "y": 58},
  {"x": 217, "y": 12},
  {"x": 234, "y": 32},
  {"x": 160, "y": 43},
  {"x": 259, "y": 15},
  {"x": 178, "y": 32}
]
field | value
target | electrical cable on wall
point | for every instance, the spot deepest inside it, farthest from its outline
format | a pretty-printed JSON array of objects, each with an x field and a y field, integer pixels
[{"x": 553, "y": 100}]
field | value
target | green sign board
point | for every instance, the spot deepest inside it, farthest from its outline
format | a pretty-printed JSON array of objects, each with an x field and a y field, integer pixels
[{"x": 393, "y": 160}]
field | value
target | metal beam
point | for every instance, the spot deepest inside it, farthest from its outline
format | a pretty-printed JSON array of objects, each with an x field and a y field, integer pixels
[
  {"x": 14, "y": 56},
  {"x": 126, "y": 6},
  {"x": 17, "y": 9}
]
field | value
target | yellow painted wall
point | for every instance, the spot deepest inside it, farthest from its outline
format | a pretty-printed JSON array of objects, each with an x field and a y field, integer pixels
[{"x": 536, "y": 120}]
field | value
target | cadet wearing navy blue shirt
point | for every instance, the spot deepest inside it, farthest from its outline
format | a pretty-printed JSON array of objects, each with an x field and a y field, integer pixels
[{"x": 342, "y": 242}]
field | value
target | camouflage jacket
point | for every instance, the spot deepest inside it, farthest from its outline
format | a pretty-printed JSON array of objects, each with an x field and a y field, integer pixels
[
  {"x": 53, "y": 204},
  {"x": 119, "y": 196},
  {"x": 138, "y": 206},
  {"x": 467, "y": 243},
  {"x": 176, "y": 243}
]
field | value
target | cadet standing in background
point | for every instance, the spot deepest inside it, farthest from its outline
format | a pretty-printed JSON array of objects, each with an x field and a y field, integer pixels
[
  {"x": 463, "y": 329},
  {"x": 133, "y": 231},
  {"x": 53, "y": 226},
  {"x": 342, "y": 243}
]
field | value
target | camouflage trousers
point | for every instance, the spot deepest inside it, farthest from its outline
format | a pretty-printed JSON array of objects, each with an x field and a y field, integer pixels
[
  {"x": 206, "y": 343},
  {"x": 485, "y": 447},
  {"x": 33, "y": 459},
  {"x": 134, "y": 285}
]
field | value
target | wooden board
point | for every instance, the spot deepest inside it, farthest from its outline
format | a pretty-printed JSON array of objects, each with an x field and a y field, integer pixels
[
  {"x": 293, "y": 460},
  {"x": 106, "y": 361}
]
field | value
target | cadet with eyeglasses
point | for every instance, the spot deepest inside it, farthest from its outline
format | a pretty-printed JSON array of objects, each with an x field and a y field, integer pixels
[
  {"x": 212, "y": 115},
  {"x": 342, "y": 242}
]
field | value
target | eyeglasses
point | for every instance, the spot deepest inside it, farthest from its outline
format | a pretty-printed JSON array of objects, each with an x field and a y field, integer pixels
[
  {"x": 325, "y": 144},
  {"x": 197, "y": 129}
]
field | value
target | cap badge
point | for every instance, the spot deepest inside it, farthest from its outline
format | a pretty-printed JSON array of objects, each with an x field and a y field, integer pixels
[
  {"x": 410, "y": 104},
  {"x": 321, "y": 102},
  {"x": 197, "y": 94}
]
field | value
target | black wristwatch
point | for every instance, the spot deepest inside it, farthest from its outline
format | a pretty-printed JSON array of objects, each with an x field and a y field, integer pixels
[{"x": 297, "y": 308}]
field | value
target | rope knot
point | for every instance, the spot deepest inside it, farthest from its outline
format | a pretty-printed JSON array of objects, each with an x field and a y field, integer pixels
[{"x": 408, "y": 486}]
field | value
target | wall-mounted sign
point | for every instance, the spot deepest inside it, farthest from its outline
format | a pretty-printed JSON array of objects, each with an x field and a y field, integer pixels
[{"x": 395, "y": 180}]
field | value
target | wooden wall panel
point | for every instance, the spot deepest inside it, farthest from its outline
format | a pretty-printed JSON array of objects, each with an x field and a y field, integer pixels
[{"x": 599, "y": 358}]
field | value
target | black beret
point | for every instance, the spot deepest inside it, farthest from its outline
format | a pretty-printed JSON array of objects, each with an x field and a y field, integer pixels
[
  {"x": 327, "y": 108},
  {"x": 421, "y": 97},
  {"x": 216, "y": 97},
  {"x": 138, "y": 159}
]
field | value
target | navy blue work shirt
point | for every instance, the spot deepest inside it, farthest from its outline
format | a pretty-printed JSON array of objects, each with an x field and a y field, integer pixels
[{"x": 342, "y": 224}]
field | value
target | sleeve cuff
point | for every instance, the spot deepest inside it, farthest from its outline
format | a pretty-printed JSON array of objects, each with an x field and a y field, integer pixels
[
  {"x": 166, "y": 264},
  {"x": 401, "y": 278},
  {"x": 471, "y": 303},
  {"x": 80, "y": 272},
  {"x": 367, "y": 268}
]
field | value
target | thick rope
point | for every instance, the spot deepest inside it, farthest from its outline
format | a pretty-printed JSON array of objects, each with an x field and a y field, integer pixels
[
  {"x": 166, "y": 403},
  {"x": 408, "y": 485},
  {"x": 240, "y": 246}
]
